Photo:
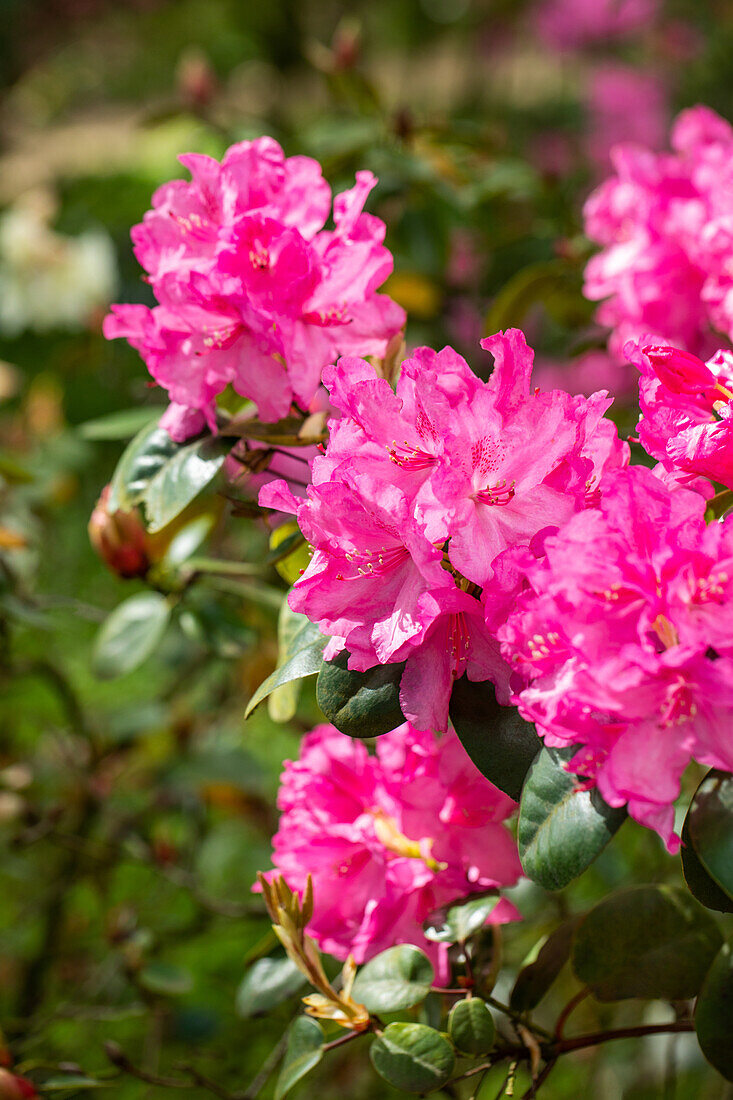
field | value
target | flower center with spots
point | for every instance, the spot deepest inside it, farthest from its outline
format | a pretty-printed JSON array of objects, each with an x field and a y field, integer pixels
[{"x": 393, "y": 840}]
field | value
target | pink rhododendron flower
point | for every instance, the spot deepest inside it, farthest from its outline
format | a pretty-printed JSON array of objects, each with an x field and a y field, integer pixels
[
  {"x": 686, "y": 411},
  {"x": 665, "y": 223},
  {"x": 390, "y": 838},
  {"x": 252, "y": 292},
  {"x": 625, "y": 643},
  {"x": 624, "y": 104},
  {"x": 417, "y": 494},
  {"x": 570, "y": 24}
]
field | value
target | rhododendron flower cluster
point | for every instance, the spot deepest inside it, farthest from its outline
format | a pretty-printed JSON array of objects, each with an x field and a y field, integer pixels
[
  {"x": 388, "y": 839},
  {"x": 252, "y": 291},
  {"x": 665, "y": 222},
  {"x": 624, "y": 639},
  {"x": 418, "y": 494},
  {"x": 687, "y": 412}
]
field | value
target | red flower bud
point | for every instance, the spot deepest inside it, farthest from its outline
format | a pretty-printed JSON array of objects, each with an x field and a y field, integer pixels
[
  {"x": 13, "y": 1087},
  {"x": 119, "y": 538},
  {"x": 679, "y": 371}
]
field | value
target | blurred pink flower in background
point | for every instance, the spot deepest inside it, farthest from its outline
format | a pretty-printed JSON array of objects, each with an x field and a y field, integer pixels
[
  {"x": 665, "y": 224},
  {"x": 624, "y": 104},
  {"x": 571, "y": 24},
  {"x": 390, "y": 838}
]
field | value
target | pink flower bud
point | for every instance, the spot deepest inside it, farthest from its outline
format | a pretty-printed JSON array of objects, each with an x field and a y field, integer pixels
[
  {"x": 119, "y": 538},
  {"x": 679, "y": 371}
]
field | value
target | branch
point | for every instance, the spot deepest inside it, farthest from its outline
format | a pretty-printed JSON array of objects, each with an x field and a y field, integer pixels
[
  {"x": 580, "y": 1042},
  {"x": 119, "y": 1059},
  {"x": 569, "y": 1008}
]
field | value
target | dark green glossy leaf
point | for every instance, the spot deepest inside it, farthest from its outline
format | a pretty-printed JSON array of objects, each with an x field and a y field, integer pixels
[
  {"x": 700, "y": 884},
  {"x": 710, "y": 827},
  {"x": 462, "y": 921},
  {"x": 395, "y": 979},
  {"x": 164, "y": 476},
  {"x": 267, "y": 983},
  {"x": 143, "y": 457},
  {"x": 130, "y": 634},
  {"x": 306, "y": 659},
  {"x": 539, "y": 973},
  {"x": 498, "y": 740},
  {"x": 412, "y": 1057},
  {"x": 646, "y": 941},
  {"x": 471, "y": 1026},
  {"x": 305, "y": 1050},
  {"x": 165, "y": 980},
  {"x": 714, "y": 1013},
  {"x": 561, "y": 828},
  {"x": 361, "y": 704},
  {"x": 179, "y": 481}
]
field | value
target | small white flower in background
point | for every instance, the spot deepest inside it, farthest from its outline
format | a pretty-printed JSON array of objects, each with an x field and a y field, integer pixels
[{"x": 47, "y": 280}]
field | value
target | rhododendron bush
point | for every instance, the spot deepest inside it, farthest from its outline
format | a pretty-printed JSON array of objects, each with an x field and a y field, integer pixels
[
  {"x": 530, "y": 624},
  {"x": 417, "y": 582}
]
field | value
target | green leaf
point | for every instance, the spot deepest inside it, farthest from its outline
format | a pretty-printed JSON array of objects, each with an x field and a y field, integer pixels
[
  {"x": 552, "y": 282},
  {"x": 147, "y": 453},
  {"x": 165, "y": 979},
  {"x": 654, "y": 942},
  {"x": 71, "y": 1082},
  {"x": 190, "y": 469},
  {"x": 120, "y": 425},
  {"x": 306, "y": 658},
  {"x": 292, "y": 431},
  {"x": 413, "y": 1057},
  {"x": 395, "y": 979},
  {"x": 714, "y": 1012},
  {"x": 462, "y": 921},
  {"x": 268, "y": 983},
  {"x": 13, "y": 472},
  {"x": 471, "y": 1026},
  {"x": 700, "y": 884},
  {"x": 561, "y": 828},
  {"x": 498, "y": 740},
  {"x": 710, "y": 827},
  {"x": 544, "y": 966},
  {"x": 164, "y": 476},
  {"x": 305, "y": 1050},
  {"x": 283, "y": 701},
  {"x": 130, "y": 634},
  {"x": 360, "y": 704},
  {"x": 186, "y": 542}
]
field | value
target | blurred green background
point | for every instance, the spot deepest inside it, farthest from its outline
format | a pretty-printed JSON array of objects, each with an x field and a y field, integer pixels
[{"x": 134, "y": 812}]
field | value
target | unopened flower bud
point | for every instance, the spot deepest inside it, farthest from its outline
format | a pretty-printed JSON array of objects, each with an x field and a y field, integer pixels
[
  {"x": 679, "y": 371},
  {"x": 196, "y": 79},
  {"x": 119, "y": 538},
  {"x": 13, "y": 1087}
]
